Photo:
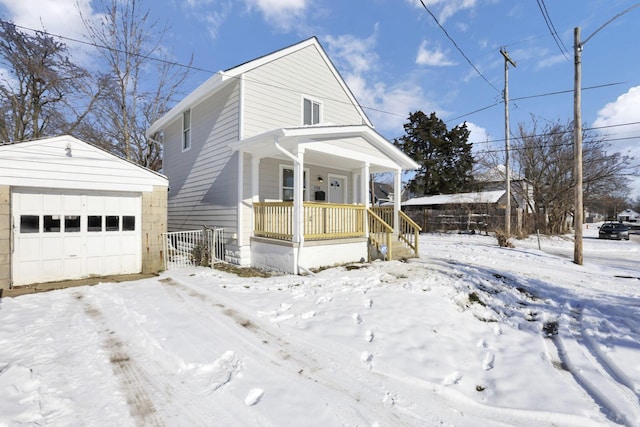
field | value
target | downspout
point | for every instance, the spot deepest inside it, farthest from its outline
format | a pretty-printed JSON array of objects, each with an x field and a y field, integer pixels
[{"x": 301, "y": 242}]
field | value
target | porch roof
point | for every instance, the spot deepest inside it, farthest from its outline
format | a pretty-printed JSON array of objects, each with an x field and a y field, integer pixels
[{"x": 330, "y": 145}]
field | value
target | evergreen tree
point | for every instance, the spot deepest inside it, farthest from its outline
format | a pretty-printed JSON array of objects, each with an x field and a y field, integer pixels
[{"x": 444, "y": 155}]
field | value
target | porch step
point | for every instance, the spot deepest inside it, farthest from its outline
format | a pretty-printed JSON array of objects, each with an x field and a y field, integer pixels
[{"x": 399, "y": 250}]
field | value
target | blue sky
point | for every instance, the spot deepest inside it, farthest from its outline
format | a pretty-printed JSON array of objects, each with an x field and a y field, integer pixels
[{"x": 396, "y": 59}]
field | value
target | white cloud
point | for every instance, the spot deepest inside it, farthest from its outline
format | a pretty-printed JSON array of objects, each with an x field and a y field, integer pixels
[
  {"x": 387, "y": 105},
  {"x": 619, "y": 119},
  {"x": 57, "y": 16},
  {"x": 284, "y": 14},
  {"x": 618, "y": 122},
  {"x": 477, "y": 134},
  {"x": 434, "y": 58},
  {"x": 444, "y": 9},
  {"x": 212, "y": 13}
]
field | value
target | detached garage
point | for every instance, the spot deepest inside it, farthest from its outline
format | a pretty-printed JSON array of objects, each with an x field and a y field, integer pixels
[{"x": 70, "y": 210}]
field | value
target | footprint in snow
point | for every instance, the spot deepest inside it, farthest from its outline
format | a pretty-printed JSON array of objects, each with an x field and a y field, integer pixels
[
  {"x": 487, "y": 363},
  {"x": 482, "y": 344},
  {"x": 356, "y": 318},
  {"x": 497, "y": 330},
  {"x": 368, "y": 336},
  {"x": 308, "y": 314},
  {"x": 285, "y": 306},
  {"x": 452, "y": 378},
  {"x": 366, "y": 359},
  {"x": 254, "y": 396},
  {"x": 368, "y": 302}
]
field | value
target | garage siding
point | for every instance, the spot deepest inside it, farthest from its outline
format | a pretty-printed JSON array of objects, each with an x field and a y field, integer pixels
[
  {"x": 5, "y": 237},
  {"x": 154, "y": 223}
]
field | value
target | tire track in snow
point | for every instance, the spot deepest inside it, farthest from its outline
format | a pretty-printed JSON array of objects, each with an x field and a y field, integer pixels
[
  {"x": 126, "y": 370},
  {"x": 616, "y": 400},
  {"x": 298, "y": 360}
]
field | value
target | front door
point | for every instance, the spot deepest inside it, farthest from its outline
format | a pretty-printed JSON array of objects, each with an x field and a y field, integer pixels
[{"x": 337, "y": 189}]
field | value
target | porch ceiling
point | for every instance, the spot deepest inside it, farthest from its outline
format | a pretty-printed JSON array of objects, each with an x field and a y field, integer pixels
[{"x": 346, "y": 146}]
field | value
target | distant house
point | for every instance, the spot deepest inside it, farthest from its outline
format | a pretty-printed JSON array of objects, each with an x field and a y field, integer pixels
[
  {"x": 70, "y": 210},
  {"x": 629, "y": 215},
  {"x": 460, "y": 211},
  {"x": 495, "y": 179},
  {"x": 278, "y": 153}
]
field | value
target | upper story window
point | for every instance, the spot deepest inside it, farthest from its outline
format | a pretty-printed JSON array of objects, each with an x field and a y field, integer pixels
[
  {"x": 186, "y": 130},
  {"x": 311, "y": 113}
]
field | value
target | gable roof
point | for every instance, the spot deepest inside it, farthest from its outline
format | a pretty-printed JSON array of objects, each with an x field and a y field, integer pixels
[
  {"x": 69, "y": 163},
  {"x": 488, "y": 197},
  {"x": 222, "y": 78}
]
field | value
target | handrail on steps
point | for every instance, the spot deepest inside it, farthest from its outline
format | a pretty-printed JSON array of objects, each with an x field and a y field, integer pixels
[
  {"x": 407, "y": 227},
  {"x": 380, "y": 232}
]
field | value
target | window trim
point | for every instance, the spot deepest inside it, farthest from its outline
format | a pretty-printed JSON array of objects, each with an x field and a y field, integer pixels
[
  {"x": 313, "y": 101},
  {"x": 186, "y": 130}
]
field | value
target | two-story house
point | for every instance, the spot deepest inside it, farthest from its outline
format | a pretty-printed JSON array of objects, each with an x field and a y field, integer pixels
[{"x": 278, "y": 152}]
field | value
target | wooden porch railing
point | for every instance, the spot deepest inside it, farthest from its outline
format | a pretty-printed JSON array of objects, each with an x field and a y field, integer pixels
[
  {"x": 409, "y": 231},
  {"x": 380, "y": 233},
  {"x": 323, "y": 221},
  {"x": 274, "y": 220}
]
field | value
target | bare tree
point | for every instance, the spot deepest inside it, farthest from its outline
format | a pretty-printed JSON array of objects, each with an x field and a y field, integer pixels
[
  {"x": 142, "y": 80},
  {"x": 545, "y": 157},
  {"x": 43, "y": 92}
]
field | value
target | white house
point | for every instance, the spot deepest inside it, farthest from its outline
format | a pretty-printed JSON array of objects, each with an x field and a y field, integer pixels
[
  {"x": 70, "y": 210},
  {"x": 278, "y": 152},
  {"x": 629, "y": 215}
]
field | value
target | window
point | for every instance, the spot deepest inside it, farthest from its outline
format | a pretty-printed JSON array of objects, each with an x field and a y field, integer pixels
[
  {"x": 94, "y": 223},
  {"x": 29, "y": 223},
  {"x": 311, "y": 114},
  {"x": 186, "y": 130},
  {"x": 286, "y": 175},
  {"x": 287, "y": 185},
  {"x": 51, "y": 223},
  {"x": 113, "y": 223},
  {"x": 71, "y": 223},
  {"x": 128, "y": 223}
]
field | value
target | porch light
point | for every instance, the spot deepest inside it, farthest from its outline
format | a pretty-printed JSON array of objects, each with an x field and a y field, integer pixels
[{"x": 320, "y": 179}]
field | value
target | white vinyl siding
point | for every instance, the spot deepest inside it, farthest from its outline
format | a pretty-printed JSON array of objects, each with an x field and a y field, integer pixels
[
  {"x": 273, "y": 93},
  {"x": 203, "y": 180}
]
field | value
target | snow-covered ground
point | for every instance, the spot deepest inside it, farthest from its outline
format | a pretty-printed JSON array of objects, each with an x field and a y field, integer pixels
[{"x": 469, "y": 334}]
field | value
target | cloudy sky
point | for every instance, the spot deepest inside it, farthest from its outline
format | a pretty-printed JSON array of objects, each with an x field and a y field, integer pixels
[{"x": 399, "y": 56}]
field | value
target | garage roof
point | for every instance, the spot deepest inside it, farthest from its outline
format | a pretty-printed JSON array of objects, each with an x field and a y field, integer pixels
[{"x": 69, "y": 163}]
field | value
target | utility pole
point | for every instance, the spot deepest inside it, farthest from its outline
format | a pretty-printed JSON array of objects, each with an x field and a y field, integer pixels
[
  {"x": 577, "y": 132},
  {"x": 507, "y": 170},
  {"x": 577, "y": 147}
]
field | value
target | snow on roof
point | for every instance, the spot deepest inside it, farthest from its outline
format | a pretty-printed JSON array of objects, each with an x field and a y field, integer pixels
[{"x": 458, "y": 198}]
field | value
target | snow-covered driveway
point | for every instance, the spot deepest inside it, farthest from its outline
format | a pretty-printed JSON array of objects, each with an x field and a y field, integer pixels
[{"x": 469, "y": 334}]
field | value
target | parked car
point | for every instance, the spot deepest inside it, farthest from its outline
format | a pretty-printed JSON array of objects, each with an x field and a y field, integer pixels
[{"x": 613, "y": 230}]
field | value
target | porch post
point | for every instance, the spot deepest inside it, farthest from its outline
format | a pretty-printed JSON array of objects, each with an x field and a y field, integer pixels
[
  {"x": 397, "y": 200},
  {"x": 364, "y": 189},
  {"x": 255, "y": 179},
  {"x": 298, "y": 196}
]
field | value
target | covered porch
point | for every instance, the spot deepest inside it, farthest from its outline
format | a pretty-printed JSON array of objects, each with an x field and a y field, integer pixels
[{"x": 308, "y": 202}]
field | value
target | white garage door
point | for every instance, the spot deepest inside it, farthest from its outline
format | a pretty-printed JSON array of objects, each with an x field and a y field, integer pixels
[{"x": 71, "y": 235}]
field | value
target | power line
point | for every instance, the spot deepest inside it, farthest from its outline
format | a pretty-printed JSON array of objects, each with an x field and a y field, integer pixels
[
  {"x": 532, "y": 96},
  {"x": 563, "y": 132},
  {"x": 458, "y": 47},
  {"x": 113, "y": 49},
  {"x": 552, "y": 28}
]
